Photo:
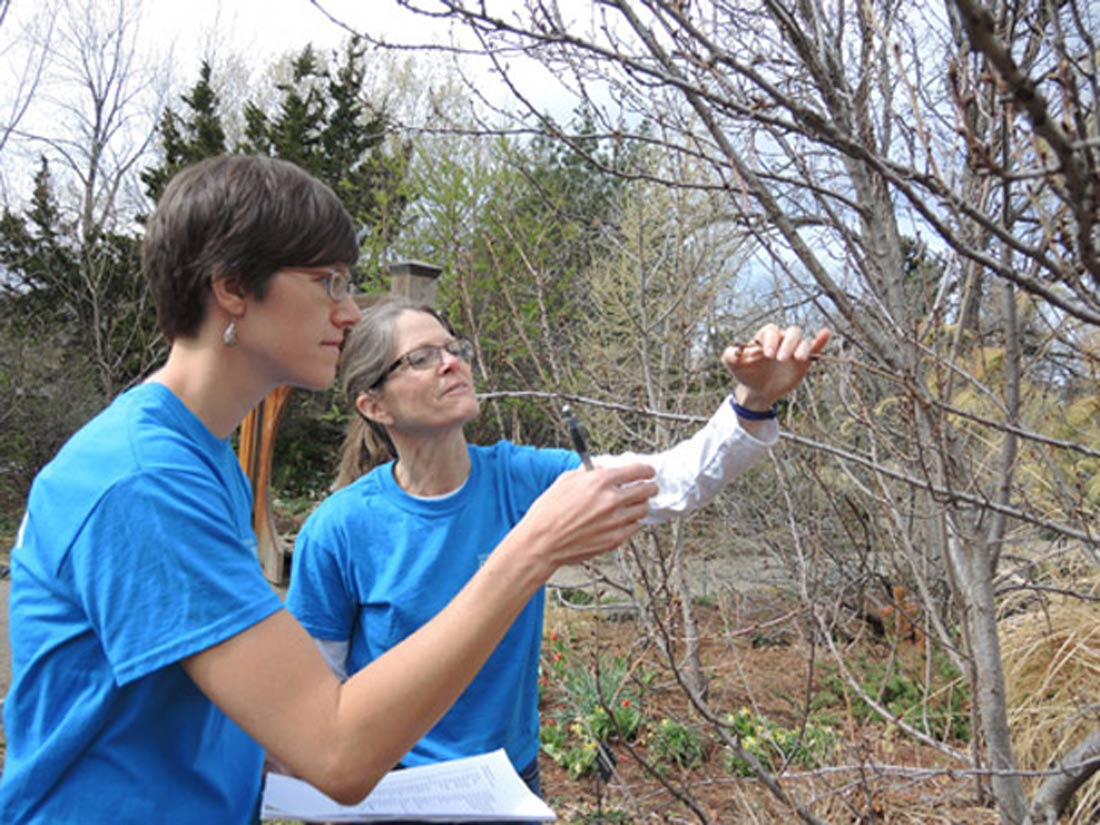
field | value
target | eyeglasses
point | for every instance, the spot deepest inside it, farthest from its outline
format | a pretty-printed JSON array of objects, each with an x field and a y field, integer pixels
[
  {"x": 428, "y": 357},
  {"x": 338, "y": 284}
]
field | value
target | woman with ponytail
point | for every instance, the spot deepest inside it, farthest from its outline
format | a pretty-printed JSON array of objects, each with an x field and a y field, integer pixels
[{"x": 418, "y": 510}]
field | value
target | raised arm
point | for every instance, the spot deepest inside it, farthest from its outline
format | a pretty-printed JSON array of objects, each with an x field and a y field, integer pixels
[
  {"x": 273, "y": 681},
  {"x": 739, "y": 433}
]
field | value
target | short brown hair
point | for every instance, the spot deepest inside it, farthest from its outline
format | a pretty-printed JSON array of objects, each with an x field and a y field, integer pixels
[{"x": 242, "y": 217}]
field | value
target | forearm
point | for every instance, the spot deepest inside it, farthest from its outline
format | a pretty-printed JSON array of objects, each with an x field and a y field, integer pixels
[{"x": 691, "y": 473}]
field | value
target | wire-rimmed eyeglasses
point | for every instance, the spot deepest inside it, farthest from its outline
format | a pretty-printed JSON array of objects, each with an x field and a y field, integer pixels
[
  {"x": 338, "y": 282},
  {"x": 428, "y": 357}
]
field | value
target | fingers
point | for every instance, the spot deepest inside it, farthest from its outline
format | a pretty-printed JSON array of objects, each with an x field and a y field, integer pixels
[
  {"x": 768, "y": 337},
  {"x": 773, "y": 343},
  {"x": 628, "y": 473},
  {"x": 622, "y": 492},
  {"x": 807, "y": 349},
  {"x": 788, "y": 343},
  {"x": 820, "y": 340},
  {"x": 625, "y": 523}
]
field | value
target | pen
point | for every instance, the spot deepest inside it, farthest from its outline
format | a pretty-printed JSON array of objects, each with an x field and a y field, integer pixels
[{"x": 578, "y": 434}]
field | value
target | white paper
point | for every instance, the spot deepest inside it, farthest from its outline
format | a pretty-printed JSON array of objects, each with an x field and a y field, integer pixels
[{"x": 463, "y": 790}]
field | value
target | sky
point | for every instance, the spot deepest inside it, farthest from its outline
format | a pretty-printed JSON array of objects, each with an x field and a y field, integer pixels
[
  {"x": 264, "y": 28},
  {"x": 257, "y": 32}
]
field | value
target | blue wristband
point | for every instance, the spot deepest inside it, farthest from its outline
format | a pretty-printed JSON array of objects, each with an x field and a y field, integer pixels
[{"x": 755, "y": 415}]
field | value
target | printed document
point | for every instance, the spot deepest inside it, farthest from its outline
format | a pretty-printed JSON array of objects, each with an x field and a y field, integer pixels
[{"x": 462, "y": 790}]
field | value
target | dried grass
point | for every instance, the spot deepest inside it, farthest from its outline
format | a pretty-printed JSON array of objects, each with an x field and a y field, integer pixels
[{"x": 1052, "y": 677}]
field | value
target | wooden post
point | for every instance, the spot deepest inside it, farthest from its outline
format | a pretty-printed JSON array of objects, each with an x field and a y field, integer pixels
[
  {"x": 255, "y": 449},
  {"x": 414, "y": 280}
]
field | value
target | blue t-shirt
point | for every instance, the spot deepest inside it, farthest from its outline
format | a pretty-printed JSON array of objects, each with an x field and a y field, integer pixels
[
  {"x": 372, "y": 564},
  {"x": 136, "y": 551}
]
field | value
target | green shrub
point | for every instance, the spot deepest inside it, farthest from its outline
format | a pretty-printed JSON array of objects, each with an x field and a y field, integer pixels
[
  {"x": 774, "y": 746},
  {"x": 677, "y": 743},
  {"x": 939, "y": 708}
]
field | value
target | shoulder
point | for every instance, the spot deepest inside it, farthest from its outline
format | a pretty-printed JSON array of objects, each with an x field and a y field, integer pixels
[
  {"x": 542, "y": 464},
  {"x": 363, "y": 497},
  {"x": 125, "y": 457}
]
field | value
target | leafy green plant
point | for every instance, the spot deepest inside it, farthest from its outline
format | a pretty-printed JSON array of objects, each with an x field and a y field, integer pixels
[
  {"x": 677, "y": 743},
  {"x": 939, "y": 708},
  {"x": 773, "y": 745},
  {"x": 593, "y": 706},
  {"x": 572, "y": 749}
]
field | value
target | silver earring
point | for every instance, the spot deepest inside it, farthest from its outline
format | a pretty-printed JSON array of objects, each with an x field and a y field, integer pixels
[{"x": 230, "y": 334}]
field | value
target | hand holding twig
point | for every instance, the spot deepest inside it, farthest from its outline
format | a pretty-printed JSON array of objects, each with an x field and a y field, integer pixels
[{"x": 772, "y": 364}]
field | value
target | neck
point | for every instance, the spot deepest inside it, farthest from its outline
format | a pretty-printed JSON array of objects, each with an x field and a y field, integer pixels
[
  {"x": 431, "y": 465},
  {"x": 210, "y": 382}
]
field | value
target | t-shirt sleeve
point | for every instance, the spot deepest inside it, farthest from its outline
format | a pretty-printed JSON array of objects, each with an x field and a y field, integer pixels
[
  {"x": 532, "y": 470},
  {"x": 165, "y": 569},
  {"x": 320, "y": 595}
]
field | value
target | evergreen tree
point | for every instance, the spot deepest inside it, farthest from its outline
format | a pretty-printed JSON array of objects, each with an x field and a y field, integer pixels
[
  {"x": 187, "y": 140},
  {"x": 73, "y": 330}
]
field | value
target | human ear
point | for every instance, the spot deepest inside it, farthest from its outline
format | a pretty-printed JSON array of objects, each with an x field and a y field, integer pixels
[
  {"x": 370, "y": 406},
  {"x": 228, "y": 293}
]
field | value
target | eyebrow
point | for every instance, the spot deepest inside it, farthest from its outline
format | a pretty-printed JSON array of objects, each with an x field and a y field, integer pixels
[{"x": 429, "y": 344}]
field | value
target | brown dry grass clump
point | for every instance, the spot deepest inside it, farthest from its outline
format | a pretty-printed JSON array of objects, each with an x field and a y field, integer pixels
[{"x": 1052, "y": 673}]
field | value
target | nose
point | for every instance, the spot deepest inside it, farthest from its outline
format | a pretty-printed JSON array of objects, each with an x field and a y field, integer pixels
[
  {"x": 447, "y": 361},
  {"x": 346, "y": 312}
]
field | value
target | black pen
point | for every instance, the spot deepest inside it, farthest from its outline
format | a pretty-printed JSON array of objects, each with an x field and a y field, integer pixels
[{"x": 578, "y": 434}]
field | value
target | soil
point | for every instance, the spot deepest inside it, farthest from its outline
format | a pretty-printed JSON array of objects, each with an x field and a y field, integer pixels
[{"x": 756, "y": 657}]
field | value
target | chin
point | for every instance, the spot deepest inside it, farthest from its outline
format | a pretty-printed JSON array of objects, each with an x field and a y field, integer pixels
[{"x": 315, "y": 383}]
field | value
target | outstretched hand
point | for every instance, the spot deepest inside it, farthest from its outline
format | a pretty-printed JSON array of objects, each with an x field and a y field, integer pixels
[{"x": 773, "y": 364}]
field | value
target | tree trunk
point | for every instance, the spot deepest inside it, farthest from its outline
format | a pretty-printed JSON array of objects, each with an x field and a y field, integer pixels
[
  {"x": 1054, "y": 795},
  {"x": 980, "y": 614}
]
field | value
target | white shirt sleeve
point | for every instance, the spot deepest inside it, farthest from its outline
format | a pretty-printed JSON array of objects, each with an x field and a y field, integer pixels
[
  {"x": 336, "y": 654},
  {"x": 692, "y": 473}
]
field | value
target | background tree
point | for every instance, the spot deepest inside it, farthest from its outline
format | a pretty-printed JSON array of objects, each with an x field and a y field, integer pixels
[
  {"x": 47, "y": 382},
  {"x": 71, "y": 257},
  {"x": 24, "y": 51},
  {"x": 78, "y": 327},
  {"x": 515, "y": 226},
  {"x": 189, "y": 138}
]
